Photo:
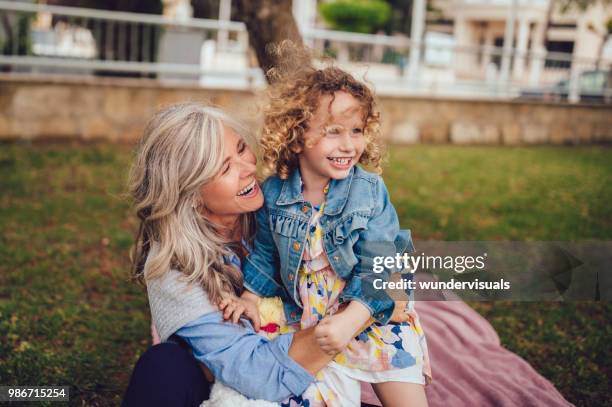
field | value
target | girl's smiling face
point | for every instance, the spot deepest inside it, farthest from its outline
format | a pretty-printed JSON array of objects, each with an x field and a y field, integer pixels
[{"x": 337, "y": 133}]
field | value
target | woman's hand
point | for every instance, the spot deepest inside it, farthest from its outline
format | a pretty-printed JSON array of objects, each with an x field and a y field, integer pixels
[
  {"x": 207, "y": 373},
  {"x": 233, "y": 308},
  {"x": 249, "y": 296}
]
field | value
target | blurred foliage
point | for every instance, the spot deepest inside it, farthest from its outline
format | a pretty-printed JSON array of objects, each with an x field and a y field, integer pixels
[
  {"x": 15, "y": 38},
  {"x": 361, "y": 16},
  {"x": 147, "y": 37},
  {"x": 392, "y": 56},
  {"x": 210, "y": 9},
  {"x": 582, "y": 5},
  {"x": 401, "y": 17}
]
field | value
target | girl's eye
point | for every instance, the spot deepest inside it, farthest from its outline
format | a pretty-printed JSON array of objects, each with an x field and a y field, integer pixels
[
  {"x": 357, "y": 130},
  {"x": 332, "y": 130},
  {"x": 225, "y": 169},
  {"x": 242, "y": 147}
]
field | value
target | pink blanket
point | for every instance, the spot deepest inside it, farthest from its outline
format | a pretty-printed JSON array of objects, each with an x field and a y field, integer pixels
[{"x": 469, "y": 365}]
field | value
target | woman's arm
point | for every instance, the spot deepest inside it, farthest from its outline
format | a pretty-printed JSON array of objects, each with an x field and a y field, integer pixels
[
  {"x": 305, "y": 351},
  {"x": 255, "y": 366}
]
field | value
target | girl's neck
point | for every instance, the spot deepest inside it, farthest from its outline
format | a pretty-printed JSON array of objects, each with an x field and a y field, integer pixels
[{"x": 314, "y": 184}]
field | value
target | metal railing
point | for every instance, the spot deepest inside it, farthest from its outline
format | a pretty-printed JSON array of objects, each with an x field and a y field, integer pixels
[
  {"x": 39, "y": 38},
  {"x": 42, "y": 39},
  {"x": 468, "y": 71}
]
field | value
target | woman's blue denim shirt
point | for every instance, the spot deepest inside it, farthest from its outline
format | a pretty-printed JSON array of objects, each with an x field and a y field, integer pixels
[{"x": 359, "y": 222}]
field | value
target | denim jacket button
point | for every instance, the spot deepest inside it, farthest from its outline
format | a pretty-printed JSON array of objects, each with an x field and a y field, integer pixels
[
  {"x": 296, "y": 246},
  {"x": 380, "y": 315},
  {"x": 336, "y": 258},
  {"x": 305, "y": 209},
  {"x": 293, "y": 314},
  {"x": 291, "y": 276}
]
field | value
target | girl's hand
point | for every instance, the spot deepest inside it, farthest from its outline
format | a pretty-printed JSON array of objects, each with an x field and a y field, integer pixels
[
  {"x": 334, "y": 333},
  {"x": 399, "y": 312},
  {"x": 233, "y": 308},
  {"x": 399, "y": 315}
]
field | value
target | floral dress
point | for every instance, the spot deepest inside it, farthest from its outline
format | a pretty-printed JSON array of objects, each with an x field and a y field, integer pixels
[{"x": 380, "y": 353}]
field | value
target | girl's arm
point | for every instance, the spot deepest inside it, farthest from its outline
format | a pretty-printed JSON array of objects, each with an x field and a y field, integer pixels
[
  {"x": 334, "y": 332},
  {"x": 382, "y": 237}
]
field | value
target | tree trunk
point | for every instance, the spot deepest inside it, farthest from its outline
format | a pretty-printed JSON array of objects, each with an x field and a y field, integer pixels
[{"x": 268, "y": 22}]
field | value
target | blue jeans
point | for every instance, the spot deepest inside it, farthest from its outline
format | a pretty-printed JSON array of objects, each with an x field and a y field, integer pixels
[{"x": 166, "y": 375}]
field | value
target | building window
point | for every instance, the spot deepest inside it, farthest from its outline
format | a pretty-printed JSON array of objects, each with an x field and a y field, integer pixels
[
  {"x": 565, "y": 47},
  {"x": 498, "y": 43}
]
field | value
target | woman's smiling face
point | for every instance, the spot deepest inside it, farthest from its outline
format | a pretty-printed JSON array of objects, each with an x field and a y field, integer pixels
[{"x": 234, "y": 190}]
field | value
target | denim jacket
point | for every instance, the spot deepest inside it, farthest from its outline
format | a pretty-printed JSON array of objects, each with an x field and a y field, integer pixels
[{"x": 358, "y": 222}]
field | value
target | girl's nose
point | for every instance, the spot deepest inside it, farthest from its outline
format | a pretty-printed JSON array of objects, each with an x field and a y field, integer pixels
[{"x": 346, "y": 143}]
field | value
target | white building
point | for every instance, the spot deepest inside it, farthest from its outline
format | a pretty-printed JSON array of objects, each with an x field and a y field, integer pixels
[{"x": 478, "y": 23}]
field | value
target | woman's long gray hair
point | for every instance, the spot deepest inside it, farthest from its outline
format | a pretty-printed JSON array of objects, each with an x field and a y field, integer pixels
[{"x": 182, "y": 149}]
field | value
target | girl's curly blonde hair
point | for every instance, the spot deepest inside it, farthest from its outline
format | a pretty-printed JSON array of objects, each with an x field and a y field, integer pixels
[{"x": 294, "y": 97}]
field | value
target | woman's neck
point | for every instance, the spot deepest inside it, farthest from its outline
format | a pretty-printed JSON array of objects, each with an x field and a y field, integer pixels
[{"x": 226, "y": 226}]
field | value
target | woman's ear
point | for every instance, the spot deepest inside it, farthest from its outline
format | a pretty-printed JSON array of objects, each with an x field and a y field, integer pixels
[
  {"x": 203, "y": 210},
  {"x": 200, "y": 207}
]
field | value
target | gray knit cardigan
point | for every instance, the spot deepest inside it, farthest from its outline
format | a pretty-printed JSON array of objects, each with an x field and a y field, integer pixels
[{"x": 174, "y": 303}]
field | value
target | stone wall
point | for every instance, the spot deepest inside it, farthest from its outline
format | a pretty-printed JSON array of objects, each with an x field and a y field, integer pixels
[
  {"x": 107, "y": 109},
  {"x": 117, "y": 110},
  {"x": 494, "y": 122}
]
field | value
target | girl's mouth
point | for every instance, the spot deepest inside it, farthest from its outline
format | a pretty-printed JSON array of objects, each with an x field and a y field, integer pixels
[
  {"x": 341, "y": 163},
  {"x": 249, "y": 191}
]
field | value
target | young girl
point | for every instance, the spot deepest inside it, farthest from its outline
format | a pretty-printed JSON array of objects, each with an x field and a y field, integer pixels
[{"x": 323, "y": 221}]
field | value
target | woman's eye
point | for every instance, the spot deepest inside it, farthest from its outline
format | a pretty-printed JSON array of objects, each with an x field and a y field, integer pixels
[
  {"x": 357, "y": 131},
  {"x": 225, "y": 169},
  {"x": 242, "y": 148}
]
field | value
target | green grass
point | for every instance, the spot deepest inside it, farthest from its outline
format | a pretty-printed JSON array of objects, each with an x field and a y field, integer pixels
[{"x": 69, "y": 315}]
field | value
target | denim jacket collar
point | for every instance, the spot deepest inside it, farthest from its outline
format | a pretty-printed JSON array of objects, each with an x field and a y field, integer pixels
[
  {"x": 336, "y": 199},
  {"x": 292, "y": 189}
]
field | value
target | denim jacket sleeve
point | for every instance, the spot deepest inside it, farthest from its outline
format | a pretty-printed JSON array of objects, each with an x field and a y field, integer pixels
[
  {"x": 237, "y": 356},
  {"x": 261, "y": 268},
  {"x": 381, "y": 237}
]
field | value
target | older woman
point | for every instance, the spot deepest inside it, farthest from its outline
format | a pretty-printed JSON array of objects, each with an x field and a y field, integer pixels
[{"x": 195, "y": 191}]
